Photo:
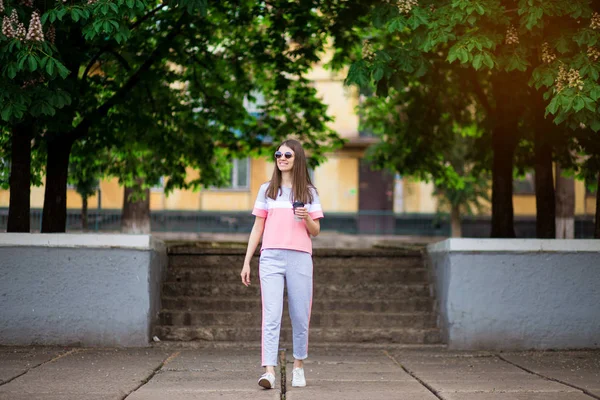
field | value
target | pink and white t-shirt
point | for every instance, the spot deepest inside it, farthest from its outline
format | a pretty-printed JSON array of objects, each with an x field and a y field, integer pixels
[{"x": 282, "y": 231}]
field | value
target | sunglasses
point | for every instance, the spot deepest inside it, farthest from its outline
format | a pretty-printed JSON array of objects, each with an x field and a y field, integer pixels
[{"x": 287, "y": 154}]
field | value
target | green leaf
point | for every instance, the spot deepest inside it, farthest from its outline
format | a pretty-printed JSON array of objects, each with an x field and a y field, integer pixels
[
  {"x": 50, "y": 67},
  {"x": 579, "y": 104},
  {"x": 61, "y": 13},
  {"x": 107, "y": 26},
  {"x": 32, "y": 63},
  {"x": 62, "y": 70},
  {"x": 21, "y": 61},
  {"x": 487, "y": 60},
  {"x": 75, "y": 14},
  {"x": 6, "y": 112},
  {"x": 45, "y": 16},
  {"x": 553, "y": 106},
  {"x": 463, "y": 55},
  {"x": 378, "y": 73},
  {"x": 595, "y": 93},
  {"x": 478, "y": 61},
  {"x": 595, "y": 125},
  {"x": 590, "y": 105},
  {"x": 11, "y": 70},
  {"x": 452, "y": 54},
  {"x": 130, "y": 3}
]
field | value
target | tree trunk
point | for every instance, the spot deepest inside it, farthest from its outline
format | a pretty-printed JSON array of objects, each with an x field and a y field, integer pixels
[
  {"x": 20, "y": 179},
  {"x": 544, "y": 130},
  {"x": 54, "y": 218},
  {"x": 84, "y": 213},
  {"x": 544, "y": 187},
  {"x": 136, "y": 214},
  {"x": 504, "y": 143},
  {"x": 455, "y": 222},
  {"x": 597, "y": 226},
  {"x": 565, "y": 206}
]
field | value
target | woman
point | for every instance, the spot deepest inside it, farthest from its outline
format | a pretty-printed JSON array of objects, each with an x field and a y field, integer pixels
[{"x": 286, "y": 255}]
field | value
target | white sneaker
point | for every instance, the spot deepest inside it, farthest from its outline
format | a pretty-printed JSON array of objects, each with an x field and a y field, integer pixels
[
  {"x": 298, "y": 379},
  {"x": 267, "y": 380}
]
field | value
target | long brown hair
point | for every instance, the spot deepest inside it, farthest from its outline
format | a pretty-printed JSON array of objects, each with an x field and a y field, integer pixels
[{"x": 301, "y": 183}]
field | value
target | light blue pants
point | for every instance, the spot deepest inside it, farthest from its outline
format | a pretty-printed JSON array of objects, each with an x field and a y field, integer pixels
[{"x": 296, "y": 269}]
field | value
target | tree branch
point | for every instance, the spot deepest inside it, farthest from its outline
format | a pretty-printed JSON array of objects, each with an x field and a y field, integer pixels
[
  {"x": 147, "y": 16},
  {"x": 478, "y": 90},
  {"x": 82, "y": 128},
  {"x": 108, "y": 46},
  {"x": 121, "y": 59}
]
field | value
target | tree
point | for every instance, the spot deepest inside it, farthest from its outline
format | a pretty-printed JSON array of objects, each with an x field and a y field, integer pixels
[
  {"x": 107, "y": 51},
  {"x": 85, "y": 171},
  {"x": 547, "y": 46},
  {"x": 28, "y": 95},
  {"x": 429, "y": 131}
]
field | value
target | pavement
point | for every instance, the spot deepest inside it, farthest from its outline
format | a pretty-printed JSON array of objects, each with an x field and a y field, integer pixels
[{"x": 208, "y": 372}]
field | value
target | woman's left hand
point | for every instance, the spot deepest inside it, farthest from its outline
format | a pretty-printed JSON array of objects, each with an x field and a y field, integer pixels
[{"x": 302, "y": 213}]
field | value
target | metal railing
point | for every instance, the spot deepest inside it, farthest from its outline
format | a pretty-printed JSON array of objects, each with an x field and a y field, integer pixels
[{"x": 363, "y": 222}]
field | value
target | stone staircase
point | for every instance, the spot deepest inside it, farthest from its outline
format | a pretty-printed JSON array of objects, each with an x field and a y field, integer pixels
[{"x": 360, "y": 296}]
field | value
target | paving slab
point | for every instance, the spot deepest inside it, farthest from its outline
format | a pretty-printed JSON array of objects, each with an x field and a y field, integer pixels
[
  {"x": 213, "y": 384},
  {"x": 359, "y": 390},
  {"x": 179, "y": 373},
  {"x": 98, "y": 374},
  {"x": 515, "y": 396},
  {"x": 477, "y": 375},
  {"x": 578, "y": 368},
  {"x": 231, "y": 360},
  {"x": 353, "y": 372},
  {"x": 358, "y": 358},
  {"x": 364, "y": 374},
  {"x": 18, "y": 360},
  {"x": 195, "y": 394}
]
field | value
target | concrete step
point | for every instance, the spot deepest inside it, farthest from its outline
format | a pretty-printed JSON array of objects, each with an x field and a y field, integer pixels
[
  {"x": 412, "y": 304},
  {"x": 324, "y": 290},
  {"x": 317, "y": 335},
  {"x": 318, "y": 319},
  {"x": 236, "y": 261},
  {"x": 349, "y": 273}
]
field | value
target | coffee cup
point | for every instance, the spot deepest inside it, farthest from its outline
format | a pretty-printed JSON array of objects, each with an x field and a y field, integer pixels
[{"x": 295, "y": 205}]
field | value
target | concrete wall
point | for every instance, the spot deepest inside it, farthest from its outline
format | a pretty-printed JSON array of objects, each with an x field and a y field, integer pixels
[
  {"x": 517, "y": 294},
  {"x": 91, "y": 290}
]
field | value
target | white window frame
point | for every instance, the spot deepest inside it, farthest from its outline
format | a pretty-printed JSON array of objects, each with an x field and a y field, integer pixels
[
  {"x": 160, "y": 186},
  {"x": 234, "y": 177}
]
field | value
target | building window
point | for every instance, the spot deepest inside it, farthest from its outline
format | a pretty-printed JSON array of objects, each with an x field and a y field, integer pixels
[
  {"x": 589, "y": 192},
  {"x": 524, "y": 185},
  {"x": 239, "y": 177},
  {"x": 160, "y": 186}
]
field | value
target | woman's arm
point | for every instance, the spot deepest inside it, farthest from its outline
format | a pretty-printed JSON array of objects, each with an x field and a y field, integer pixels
[
  {"x": 313, "y": 225},
  {"x": 253, "y": 241}
]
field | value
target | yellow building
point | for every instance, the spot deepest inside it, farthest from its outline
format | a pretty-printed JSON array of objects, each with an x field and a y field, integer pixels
[{"x": 340, "y": 180}]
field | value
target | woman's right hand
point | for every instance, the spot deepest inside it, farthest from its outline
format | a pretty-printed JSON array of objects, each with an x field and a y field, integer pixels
[{"x": 246, "y": 274}]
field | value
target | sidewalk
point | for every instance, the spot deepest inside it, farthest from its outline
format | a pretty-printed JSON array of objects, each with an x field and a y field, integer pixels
[{"x": 397, "y": 372}]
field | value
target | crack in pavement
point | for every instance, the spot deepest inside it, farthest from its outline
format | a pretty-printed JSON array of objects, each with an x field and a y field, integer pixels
[
  {"x": 72, "y": 351},
  {"x": 585, "y": 391},
  {"x": 408, "y": 371},
  {"x": 152, "y": 374}
]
